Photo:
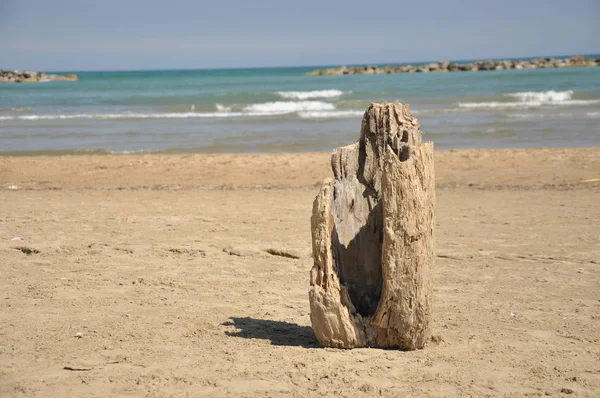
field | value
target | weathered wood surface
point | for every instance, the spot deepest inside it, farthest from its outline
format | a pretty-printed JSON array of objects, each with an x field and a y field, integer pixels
[{"x": 372, "y": 236}]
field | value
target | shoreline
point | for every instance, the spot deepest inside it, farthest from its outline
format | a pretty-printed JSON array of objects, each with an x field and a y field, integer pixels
[
  {"x": 185, "y": 152},
  {"x": 557, "y": 168}
]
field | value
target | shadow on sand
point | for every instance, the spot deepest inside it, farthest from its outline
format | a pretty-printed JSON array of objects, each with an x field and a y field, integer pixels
[{"x": 279, "y": 333}]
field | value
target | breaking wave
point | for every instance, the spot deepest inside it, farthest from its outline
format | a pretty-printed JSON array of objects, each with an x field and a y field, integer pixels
[
  {"x": 330, "y": 114},
  {"x": 223, "y": 108},
  {"x": 115, "y": 116},
  {"x": 279, "y": 107},
  {"x": 532, "y": 99},
  {"x": 303, "y": 95},
  {"x": 592, "y": 115},
  {"x": 543, "y": 96},
  {"x": 222, "y": 111}
]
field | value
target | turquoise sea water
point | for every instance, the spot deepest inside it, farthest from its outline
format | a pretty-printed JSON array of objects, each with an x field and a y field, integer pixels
[{"x": 283, "y": 110}]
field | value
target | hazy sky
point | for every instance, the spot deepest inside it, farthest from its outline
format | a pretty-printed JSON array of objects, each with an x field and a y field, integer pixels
[{"x": 149, "y": 34}]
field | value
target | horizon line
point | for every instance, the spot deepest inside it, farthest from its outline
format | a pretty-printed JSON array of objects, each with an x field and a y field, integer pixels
[{"x": 301, "y": 66}]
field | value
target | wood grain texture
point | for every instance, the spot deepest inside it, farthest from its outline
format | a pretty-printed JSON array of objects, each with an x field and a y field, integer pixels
[{"x": 372, "y": 233}]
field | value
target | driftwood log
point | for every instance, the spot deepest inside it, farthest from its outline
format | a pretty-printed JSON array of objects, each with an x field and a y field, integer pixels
[{"x": 372, "y": 237}]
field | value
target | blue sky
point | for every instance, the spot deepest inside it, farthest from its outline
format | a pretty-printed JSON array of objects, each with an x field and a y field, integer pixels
[{"x": 136, "y": 34}]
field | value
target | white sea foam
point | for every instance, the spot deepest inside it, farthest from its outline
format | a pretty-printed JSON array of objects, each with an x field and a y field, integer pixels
[
  {"x": 525, "y": 104},
  {"x": 543, "y": 96},
  {"x": 254, "y": 110},
  {"x": 497, "y": 104},
  {"x": 539, "y": 115},
  {"x": 435, "y": 111},
  {"x": 223, "y": 108},
  {"x": 552, "y": 115},
  {"x": 282, "y": 107},
  {"x": 330, "y": 114},
  {"x": 304, "y": 95},
  {"x": 129, "y": 152},
  {"x": 532, "y": 99},
  {"x": 116, "y": 116}
]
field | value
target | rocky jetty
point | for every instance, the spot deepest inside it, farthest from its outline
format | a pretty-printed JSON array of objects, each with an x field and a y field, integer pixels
[
  {"x": 445, "y": 66},
  {"x": 20, "y": 76}
]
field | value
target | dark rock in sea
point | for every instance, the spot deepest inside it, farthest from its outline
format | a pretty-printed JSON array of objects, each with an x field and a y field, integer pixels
[
  {"x": 445, "y": 66},
  {"x": 16, "y": 76}
]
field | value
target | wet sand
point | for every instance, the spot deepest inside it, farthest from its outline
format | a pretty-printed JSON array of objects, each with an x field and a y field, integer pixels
[{"x": 150, "y": 275}]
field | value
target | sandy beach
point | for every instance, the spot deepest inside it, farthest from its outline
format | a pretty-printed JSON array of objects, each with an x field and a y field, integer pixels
[{"x": 187, "y": 275}]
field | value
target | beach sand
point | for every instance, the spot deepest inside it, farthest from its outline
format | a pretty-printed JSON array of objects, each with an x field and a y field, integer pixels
[{"x": 149, "y": 275}]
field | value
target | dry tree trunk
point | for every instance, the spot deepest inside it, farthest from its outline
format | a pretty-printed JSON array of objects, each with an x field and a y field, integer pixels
[{"x": 372, "y": 236}]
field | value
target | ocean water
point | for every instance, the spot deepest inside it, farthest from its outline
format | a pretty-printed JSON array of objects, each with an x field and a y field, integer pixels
[{"x": 283, "y": 110}]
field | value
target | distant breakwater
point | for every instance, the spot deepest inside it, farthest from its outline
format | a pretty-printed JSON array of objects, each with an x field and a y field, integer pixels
[
  {"x": 17, "y": 76},
  {"x": 445, "y": 66}
]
